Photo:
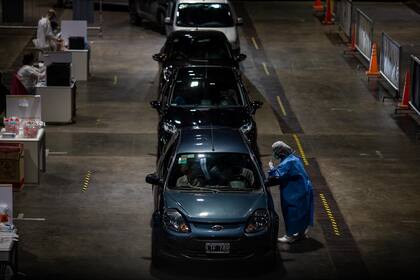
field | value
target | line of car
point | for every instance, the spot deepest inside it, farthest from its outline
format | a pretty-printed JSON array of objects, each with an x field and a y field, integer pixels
[{"x": 212, "y": 201}]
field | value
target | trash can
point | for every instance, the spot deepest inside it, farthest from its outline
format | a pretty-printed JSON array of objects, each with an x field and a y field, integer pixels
[
  {"x": 12, "y": 164},
  {"x": 12, "y": 11}
]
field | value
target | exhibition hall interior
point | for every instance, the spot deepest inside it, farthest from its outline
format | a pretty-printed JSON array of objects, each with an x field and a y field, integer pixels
[{"x": 209, "y": 139}]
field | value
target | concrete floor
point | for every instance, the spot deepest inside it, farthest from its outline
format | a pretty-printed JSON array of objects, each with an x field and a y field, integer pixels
[{"x": 362, "y": 159}]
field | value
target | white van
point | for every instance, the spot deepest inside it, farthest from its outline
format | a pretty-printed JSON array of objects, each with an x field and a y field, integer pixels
[{"x": 205, "y": 15}]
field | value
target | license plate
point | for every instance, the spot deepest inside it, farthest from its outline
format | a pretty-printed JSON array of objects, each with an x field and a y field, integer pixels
[{"x": 217, "y": 248}]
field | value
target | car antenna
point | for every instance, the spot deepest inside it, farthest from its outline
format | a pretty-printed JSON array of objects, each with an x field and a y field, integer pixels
[{"x": 212, "y": 138}]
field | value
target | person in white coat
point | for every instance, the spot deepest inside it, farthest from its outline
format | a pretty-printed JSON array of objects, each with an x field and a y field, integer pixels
[
  {"x": 45, "y": 38},
  {"x": 28, "y": 74}
]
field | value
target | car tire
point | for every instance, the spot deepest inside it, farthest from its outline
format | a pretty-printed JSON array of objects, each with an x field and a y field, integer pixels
[
  {"x": 135, "y": 18},
  {"x": 157, "y": 260}
]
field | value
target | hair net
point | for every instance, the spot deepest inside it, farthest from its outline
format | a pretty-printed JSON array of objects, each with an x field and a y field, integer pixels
[{"x": 281, "y": 150}]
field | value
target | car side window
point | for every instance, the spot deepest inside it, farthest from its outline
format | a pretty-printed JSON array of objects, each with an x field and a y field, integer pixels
[{"x": 168, "y": 154}]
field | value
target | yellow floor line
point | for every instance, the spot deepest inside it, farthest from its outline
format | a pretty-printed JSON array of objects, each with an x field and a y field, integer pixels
[
  {"x": 255, "y": 43},
  {"x": 300, "y": 148},
  {"x": 266, "y": 69},
  {"x": 86, "y": 181},
  {"x": 330, "y": 215},
  {"x": 115, "y": 80},
  {"x": 283, "y": 110}
]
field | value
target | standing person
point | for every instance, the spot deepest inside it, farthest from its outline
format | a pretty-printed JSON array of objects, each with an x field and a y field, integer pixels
[
  {"x": 29, "y": 75},
  {"x": 295, "y": 191},
  {"x": 45, "y": 38},
  {"x": 3, "y": 92}
]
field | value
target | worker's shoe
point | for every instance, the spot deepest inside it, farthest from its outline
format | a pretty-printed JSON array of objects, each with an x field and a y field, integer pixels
[{"x": 288, "y": 239}]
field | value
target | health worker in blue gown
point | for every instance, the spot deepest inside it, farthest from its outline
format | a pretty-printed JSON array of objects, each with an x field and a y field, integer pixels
[{"x": 295, "y": 192}]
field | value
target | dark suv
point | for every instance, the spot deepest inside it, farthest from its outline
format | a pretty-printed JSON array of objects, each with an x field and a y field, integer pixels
[
  {"x": 151, "y": 10},
  {"x": 183, "y": 48},
  {"x": 211, "y": 200},
  {"x": 200, "y": 96}
]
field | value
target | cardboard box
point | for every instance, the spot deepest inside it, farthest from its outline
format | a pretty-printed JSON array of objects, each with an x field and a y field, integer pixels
[{"x": 11, "y": 163}]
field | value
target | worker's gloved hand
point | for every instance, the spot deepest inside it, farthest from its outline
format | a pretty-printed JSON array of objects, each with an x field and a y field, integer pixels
[{"x": 271, "y": 165}]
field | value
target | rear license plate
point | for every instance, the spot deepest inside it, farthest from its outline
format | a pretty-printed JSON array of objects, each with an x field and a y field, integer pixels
[{"x": 217, "y": 248}]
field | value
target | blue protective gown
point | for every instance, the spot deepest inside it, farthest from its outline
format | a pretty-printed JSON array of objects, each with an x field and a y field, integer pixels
[{"x": 295, "y": 193}]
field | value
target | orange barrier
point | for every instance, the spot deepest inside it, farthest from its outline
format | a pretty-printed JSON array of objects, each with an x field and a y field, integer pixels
[
  {"x": 373, "y": 66},
  {"x": 318, "y": 6},
  {"x": 406, "y": 92},
  {"x": 328, "y": 15}
]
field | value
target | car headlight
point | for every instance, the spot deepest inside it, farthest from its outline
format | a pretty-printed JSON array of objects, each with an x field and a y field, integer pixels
[
  {"x": 167, "y": 73},
  {"x": 246, "y": 128},
  {"x": 170, "y": 128},
  {"x": 173, "y": 220},
  {"x": 259, "y": 221}
]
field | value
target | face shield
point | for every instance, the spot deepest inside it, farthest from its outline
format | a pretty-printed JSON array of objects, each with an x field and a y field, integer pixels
[{"x": 281, "y": 150}]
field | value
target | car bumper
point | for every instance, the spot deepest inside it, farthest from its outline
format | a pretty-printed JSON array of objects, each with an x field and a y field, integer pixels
[{"x": 189, "y": 248}]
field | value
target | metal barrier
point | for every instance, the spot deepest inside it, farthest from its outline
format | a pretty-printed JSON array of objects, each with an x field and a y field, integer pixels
[
  {"x": 415, "y": 84},
  {"x": 364, "y": 34},
  {"x": 344, "y": 11},
  {"x": 390, "y": 61}
]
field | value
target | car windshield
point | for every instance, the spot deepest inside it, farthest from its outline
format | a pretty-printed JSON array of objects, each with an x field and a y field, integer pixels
[
  {"x": 204, "y": 15},
  {"x": 206, "y": 87},
  {"x": 214, "y": 172},
  {"x": 206, "y": 48}
]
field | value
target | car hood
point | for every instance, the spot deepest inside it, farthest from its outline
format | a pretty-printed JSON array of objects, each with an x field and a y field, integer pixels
[
  {"x": 230, "y": 117},
  {"x": 216, "y": 207},
  {"x": 196, "y": 62}
]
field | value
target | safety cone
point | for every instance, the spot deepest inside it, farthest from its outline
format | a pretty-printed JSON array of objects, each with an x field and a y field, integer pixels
[
  {"x": 328, "y": 15},
  {"x": 318, "y": 6},
  {"x": 406, "y": 92},
  {"x": 373, "y": 66}
]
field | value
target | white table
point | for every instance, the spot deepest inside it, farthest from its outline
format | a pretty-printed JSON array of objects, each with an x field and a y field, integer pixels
[
  {"x": 58, "y": 103},
  {"x": 80, "y": 64},
  {"x": 8, "y": 252},
  {"x": 35, "y": 158}
]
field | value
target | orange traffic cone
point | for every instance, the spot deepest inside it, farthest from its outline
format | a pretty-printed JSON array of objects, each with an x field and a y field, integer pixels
[
  {"x": 318, "y": 6},
  {"x": 328, "y": 15},
  {"x": 373, "y": 66},
  {"x": 352, "y": 46},
  {"x": 406, "y": 92}
]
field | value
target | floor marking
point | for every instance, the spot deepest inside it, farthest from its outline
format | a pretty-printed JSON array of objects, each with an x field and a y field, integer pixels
[
  {"x": 379, "y": 154},
  {"x": 115, "y": 80},
  {"x": 281, "y": 106},
  {"x": 57, "y": 153},
  {"x": 329, "y": 214},
  {"x": 300, "y": 148},
  {"x": 266, "y": 69},
  {"x": 410, "y": 222},
  {"x": 255, "y": 43},
  {"x": 86, "y": 181},
  {"x": 21, "y": 218},
  {"x": 341, "y": 109}
]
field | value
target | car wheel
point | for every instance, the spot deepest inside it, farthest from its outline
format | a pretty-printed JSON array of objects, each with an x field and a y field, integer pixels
[{"x": 135, "y": 19}]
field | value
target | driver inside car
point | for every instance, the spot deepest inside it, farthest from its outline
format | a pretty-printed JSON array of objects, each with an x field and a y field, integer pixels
[{"x": 191, "y": 177}]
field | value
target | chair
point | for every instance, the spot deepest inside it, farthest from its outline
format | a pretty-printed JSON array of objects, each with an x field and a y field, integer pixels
[{"x": 16, "y": 87}]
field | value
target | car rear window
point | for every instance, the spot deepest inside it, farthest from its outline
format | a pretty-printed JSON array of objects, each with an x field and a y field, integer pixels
[
  {"x": 206, "y": 87},
  {"x": 204, "y": 15}
]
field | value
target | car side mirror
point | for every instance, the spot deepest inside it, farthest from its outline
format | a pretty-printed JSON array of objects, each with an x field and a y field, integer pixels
[
  {"x": 255, "y": 105},
  {"x": 239, "y": 21},
  {"x": 167, "y": 20},
  {"x": 159, "y": 57},
  {"x": 272, "y": 181},
  {"x": 156, "y": 105},
  {"x": 240, "y": 57},
  {"x": 153, "y": 179}
]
